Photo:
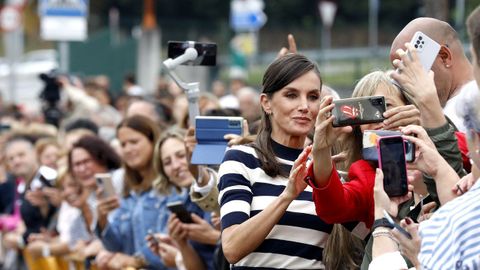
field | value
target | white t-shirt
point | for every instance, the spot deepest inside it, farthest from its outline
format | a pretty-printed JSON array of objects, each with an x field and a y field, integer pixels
[
  {"x": 71, "y": 225},
  {"x": 450, "y": 108}
]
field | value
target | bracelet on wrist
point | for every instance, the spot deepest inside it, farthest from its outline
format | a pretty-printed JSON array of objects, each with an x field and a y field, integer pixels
[{"x": 384, "y": 233}]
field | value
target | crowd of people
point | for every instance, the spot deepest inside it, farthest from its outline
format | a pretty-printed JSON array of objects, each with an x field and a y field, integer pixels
[{"x": 292, "y": 192}]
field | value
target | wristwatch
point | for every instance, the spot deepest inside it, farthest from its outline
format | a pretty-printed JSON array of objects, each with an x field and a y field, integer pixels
[{"x": 382, "y": 222}]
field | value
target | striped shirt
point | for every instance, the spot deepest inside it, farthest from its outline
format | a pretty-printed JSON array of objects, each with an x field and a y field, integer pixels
[
  {"x": 298, "y": 239},
  {"x": 451, "y": 237}
]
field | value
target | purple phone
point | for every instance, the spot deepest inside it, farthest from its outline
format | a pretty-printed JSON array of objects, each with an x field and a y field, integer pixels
[{"x": 391, "y": 160}]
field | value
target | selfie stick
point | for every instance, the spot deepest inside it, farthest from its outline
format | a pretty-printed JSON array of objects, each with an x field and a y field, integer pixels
[{"x": 191, "y": 89}]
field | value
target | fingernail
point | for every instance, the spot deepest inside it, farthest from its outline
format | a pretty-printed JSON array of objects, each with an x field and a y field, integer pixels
[{"x": 408, "y": 221}]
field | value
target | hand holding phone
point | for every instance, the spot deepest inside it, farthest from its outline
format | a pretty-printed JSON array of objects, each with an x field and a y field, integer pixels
[
  {"x": 179, "y": 209},
  {"x": 210, "y": 134},
  {"x": 396, "y": 226},
  {"x": 426, "y": 50}
]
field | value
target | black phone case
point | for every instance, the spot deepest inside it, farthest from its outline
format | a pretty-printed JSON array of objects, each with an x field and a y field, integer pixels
[
  {"x": 181, "y": 212},
  {"x": 358, "y": 111},
  {"x": 393, "y": 186}
]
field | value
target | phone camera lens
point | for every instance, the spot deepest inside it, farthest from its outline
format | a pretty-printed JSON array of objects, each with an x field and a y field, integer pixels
[
  {"x": 418, "y": 41},
  {"x": 416, "y": 46},
  {"x": 420, "y": 37},
  {"x": 423, "y": 42}
]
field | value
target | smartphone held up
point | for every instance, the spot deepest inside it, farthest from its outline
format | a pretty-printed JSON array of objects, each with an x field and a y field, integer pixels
[
  {"x": 207, "y": 52},
  {"x": 358, "y": 111},
  {"x": 391, "y": 160},
  {"x": 104, "y": 181}
]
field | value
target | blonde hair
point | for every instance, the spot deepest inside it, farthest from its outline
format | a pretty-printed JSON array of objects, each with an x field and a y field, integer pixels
[
  {"x": 352, "y": 143},
  {"x": 162, "y": 183},
  {"x": 43, "y": 143}
]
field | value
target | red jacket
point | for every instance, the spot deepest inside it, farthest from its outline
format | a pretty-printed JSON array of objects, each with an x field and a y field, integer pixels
[{"x": 350, "y": 201}]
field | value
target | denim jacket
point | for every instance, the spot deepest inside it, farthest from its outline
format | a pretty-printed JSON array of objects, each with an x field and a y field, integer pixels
[{"x": 129, "y": 224}]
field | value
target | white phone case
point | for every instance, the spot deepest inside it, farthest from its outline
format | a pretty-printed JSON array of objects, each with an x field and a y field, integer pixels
[
  {"x": 105, "y": 180},
  {"x": 427, "y": 49}
]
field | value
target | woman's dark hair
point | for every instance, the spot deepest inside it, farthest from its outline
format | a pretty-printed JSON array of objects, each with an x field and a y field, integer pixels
[
  {"x": 99, "y": 150},
  {"x": 151, "y": 131},
  {"x": 279, "y": 74}
]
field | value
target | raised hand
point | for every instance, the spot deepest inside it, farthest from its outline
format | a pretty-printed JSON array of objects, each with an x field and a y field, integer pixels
[
  {"x": 292, "y": 47},
  {"x": 325, "y": 134},
  {"x": 382, "y": 201},
  {"x": 401, "y": 116},
  {"x": 296, "y": 181}
]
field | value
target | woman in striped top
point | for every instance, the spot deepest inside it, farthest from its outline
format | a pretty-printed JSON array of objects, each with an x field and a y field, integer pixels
[{"x": 268, "y": 218}]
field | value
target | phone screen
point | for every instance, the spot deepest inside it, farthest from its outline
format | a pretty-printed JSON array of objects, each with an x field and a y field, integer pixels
[
  {"x": 207, "y": 52},
  {"x": 393, "y": 164}
]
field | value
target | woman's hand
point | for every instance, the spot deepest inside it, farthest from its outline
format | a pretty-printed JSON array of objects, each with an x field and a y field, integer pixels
[
  {"x": 296, "y": 181},
  {"x": 418, "y": 87},
  {"x": 427, "y": 211},
  {"x": 42, "y": 236},
  {"x": 121, "y": 261},
  {"x": 53, "y": 195},
  {"x": 176, "y": 230},
  {"x": 410, "y": 248},
  {"x": 103, "y": 258},
  {"x": 401, "y": 116},
  {"x": 417, "y": 84},
  {"x": 325, "y": 134},
  {"x": 104, "y": 207},
  {"x": 235, "y": 139},
  {"x": 201, "y": 231},
  {"x": 381, "y": 199},
  {"x": 36, "y": 198},
  {"x": 163, "y": 246},
  {"x": 427, "y": 158},
  {"x": 292, "y": 47},
  {"x": 464, "y": 184},
  {"x": 168, "y": 250}
]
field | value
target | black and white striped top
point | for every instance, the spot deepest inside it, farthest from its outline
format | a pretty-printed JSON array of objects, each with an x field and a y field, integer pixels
[{"x": 298, "y": 239}]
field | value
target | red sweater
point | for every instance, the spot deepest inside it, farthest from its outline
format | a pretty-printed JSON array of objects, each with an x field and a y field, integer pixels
[
  {"x": 351, "y": 201},
  {"x": 463, "y": 147}
]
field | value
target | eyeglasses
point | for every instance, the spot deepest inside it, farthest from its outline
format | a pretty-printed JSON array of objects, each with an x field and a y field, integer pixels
[{"x": 84, "y": 162}]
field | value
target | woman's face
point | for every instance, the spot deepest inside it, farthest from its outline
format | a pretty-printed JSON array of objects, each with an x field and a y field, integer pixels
[
  {"x": 49, "y": 156},
  {"x": 174, "y": 162},
  {"x": 393, "y": 99},
  {"x": 294, "y": 108},
  {"x": 71, "y": 191},
  {"x": 137, "y": 150},
  {"x": 84, "y": 168}
]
